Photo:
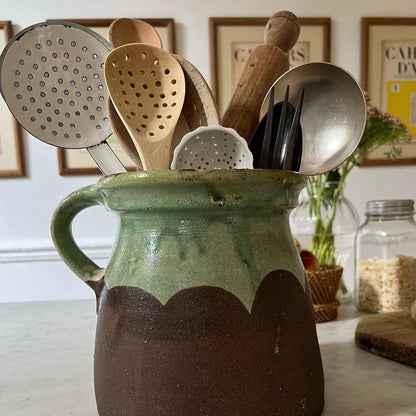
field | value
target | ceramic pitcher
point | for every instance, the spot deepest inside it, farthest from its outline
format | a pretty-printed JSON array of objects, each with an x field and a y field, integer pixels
[{"x": 203, "y": 308}]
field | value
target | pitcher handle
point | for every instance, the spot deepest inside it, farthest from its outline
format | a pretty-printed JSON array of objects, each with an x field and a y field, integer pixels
[{"x": 61, "y": 230}]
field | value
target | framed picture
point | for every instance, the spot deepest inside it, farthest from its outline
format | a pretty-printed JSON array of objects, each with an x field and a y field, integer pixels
[
  {"x": 11, "y": 149},
  {"x": 388, "y": 74},
  {"x": 78, "y": 161},
  {"x": 233, "y": 38}
]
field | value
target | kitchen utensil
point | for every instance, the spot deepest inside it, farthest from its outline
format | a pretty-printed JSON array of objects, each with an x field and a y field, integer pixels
[
  {"x": 147, "y": 87},
  {"x": 120, "y": 32},
  {"x": 126, "y": 30},
  {"x": 51, "y": 78},
  {"x": 390, "y": 335},
  {"x": 286, "y": 117},
  {"x": 213, "y": 147},
  {"x": 199, "y": 108},
  {"x": 257, "y": 139},
  {"x": 266, "y": 150},
  {"x": 333, "y": 113},
  {"x": 277, "y": 135},
  {"x": 264, "y": 65},
  {"x": 288, "y": 158},
  {"x": 122, "y": 135}
]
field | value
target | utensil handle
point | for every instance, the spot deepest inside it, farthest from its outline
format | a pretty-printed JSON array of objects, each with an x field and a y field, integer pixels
[
  {"x": 264, "y": 65},
  {"x": 106, "y": 159},
  {"x": 63, "y": 240},
  {"x": 282, "y": 30}
]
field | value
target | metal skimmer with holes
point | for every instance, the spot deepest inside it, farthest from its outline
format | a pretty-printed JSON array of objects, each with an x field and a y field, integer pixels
[{"x": 51, "y": 77}]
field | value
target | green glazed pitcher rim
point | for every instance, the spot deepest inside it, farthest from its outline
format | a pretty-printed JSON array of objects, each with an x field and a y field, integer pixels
[
  {"x": 204, "y": 176},
  {"x": 178, "y": 189}
]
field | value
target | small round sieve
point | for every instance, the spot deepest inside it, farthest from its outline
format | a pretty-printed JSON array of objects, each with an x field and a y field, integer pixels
[{"x": 212, "y": 147}]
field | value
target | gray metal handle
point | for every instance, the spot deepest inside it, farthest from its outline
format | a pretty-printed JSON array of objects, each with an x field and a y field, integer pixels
[{"x": 106, "y": 159}]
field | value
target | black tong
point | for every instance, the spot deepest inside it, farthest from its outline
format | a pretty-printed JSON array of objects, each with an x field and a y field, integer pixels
[{"x": 277, "y": 140}]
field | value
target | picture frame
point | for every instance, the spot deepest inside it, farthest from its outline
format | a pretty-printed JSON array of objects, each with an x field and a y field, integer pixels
[
  {"x": 231, "y": 34},
  {"x": 388, "y": 75},
  {"x": 11, "y": 147},
  {"x": 78, "y": 161}
]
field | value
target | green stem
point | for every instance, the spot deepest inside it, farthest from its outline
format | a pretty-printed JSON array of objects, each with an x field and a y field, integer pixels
[{"x": 323, "y": 197}]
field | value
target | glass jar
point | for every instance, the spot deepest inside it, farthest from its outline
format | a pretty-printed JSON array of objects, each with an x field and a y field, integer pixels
[
  {"x": 385, "y": 257},
  {"x": 325, "y": 222}
]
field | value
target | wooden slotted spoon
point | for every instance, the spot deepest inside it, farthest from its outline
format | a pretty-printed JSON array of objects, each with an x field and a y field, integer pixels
[
  {"x": 199, "y": 108},
  {"x": 121, "y": 32},
  {"x": 122, "y": 135},
  {"x": 147, "y": 87}
]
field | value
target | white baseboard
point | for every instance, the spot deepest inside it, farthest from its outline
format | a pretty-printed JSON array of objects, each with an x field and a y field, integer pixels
[{"x": 44, "y": 252}]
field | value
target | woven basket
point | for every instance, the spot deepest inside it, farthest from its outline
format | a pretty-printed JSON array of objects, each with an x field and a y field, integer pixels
[{"x": 324, "y": 286}]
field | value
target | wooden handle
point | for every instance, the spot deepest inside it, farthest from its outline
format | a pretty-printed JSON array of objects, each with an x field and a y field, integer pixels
[
  {"x": 264, "y": 65},
  {"x": 282, "y": 30},
  {"x": 122, "y": 135}
]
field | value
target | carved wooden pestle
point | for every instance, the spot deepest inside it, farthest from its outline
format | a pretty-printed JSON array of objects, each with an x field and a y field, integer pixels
[{"x": 265, "y": 64}]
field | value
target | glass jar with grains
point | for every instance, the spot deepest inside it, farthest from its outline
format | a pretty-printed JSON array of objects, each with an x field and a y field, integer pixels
[{"x": 385, "y": 257}]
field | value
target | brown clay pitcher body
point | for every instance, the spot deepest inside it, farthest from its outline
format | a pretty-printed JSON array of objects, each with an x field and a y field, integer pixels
[{"x": 203, "y": 308}]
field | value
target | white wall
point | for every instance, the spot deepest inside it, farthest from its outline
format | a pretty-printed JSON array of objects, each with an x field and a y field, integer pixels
[{"x": 29, "y": 269}]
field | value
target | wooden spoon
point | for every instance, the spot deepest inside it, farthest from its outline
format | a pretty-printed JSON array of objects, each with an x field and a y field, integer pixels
[
  {"x": 147, "y": 87},
  {"x": 120, "y": 32},
  {"x": 122, "y": 135},
  {"x": 200, "y": 108},
  {"x": 264, "y": 65},
  {"x": 126, "y": 30}
]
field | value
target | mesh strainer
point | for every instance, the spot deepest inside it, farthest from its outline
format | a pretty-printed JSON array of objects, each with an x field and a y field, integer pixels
[{"x": 213, "y": 147}]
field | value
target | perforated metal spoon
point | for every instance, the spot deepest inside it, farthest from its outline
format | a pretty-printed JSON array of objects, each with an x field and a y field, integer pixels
[
  {"x": 147, "y": 87},
  {"x": 51, "y": 78}
]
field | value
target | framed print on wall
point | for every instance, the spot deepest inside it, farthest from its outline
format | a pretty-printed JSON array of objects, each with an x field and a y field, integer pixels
[
  {"x": 78, "y": 161},
  {"x": 11, "y": 149},
  {"x": 233, "y": 38},
  {"x": 388, "y": 74}
]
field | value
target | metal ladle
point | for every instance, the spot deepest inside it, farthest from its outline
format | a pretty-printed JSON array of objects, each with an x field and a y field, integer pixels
[{"x": 333, "y": 113}]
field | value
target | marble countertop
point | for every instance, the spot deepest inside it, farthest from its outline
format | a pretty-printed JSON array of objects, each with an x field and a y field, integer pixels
[{"x": 46, "y": 365}]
